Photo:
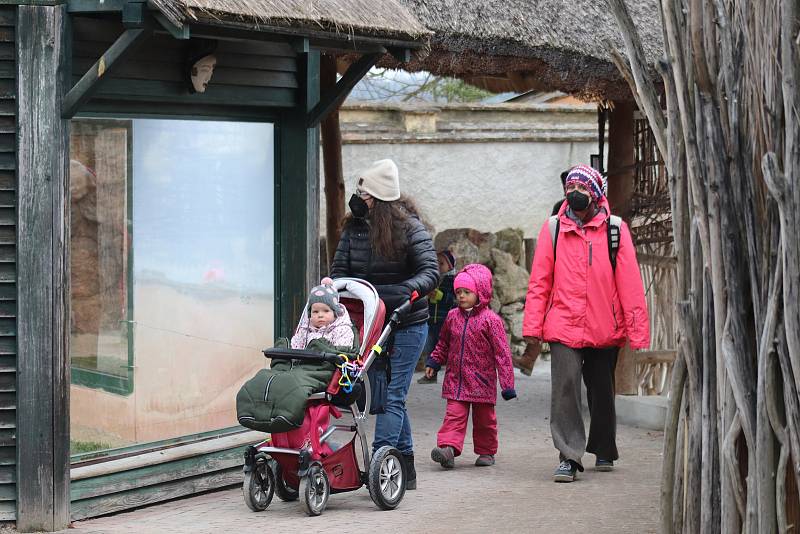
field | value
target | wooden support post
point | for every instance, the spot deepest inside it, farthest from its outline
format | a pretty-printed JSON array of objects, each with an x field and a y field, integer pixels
[
  {"x": 332, "y": 161},
  {"x": 99, "y": 72},
  {"x": 43, "y": 263},
  {"x": 334, "y": 98},
  {"x": 297, "y": 198},
  {"x": 621, "y": 158},
  {"x": 620, "y": 191}
]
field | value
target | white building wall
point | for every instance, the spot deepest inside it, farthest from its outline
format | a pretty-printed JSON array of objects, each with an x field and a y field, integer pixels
[{"x": 484, "y": 167}]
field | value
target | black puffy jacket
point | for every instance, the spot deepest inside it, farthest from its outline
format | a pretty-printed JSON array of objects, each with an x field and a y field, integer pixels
[{"x": 415, "y": 269}]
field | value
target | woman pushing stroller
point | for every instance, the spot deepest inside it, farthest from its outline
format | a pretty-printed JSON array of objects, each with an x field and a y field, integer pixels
[{"x": 385, "y": 242}]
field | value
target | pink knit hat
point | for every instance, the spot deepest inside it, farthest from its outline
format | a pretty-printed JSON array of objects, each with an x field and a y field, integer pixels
[
  {"x": 590, "y": 178},
  {"x": 466, "y": 281}
]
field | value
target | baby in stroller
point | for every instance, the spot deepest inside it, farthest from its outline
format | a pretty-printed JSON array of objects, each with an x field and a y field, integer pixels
[
  {"x": 274, "y": 400},
  {"x": 297, "y": 461},
  {"x": 326, "y": 318}
]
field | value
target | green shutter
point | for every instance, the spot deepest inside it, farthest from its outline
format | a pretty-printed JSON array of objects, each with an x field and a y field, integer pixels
[{"x": 8, "y": 254}]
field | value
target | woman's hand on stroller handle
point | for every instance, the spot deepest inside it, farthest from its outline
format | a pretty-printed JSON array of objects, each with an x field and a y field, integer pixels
[{"x": 401, "y": 311}]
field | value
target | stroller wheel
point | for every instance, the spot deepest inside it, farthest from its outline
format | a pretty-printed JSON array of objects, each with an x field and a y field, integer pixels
[
  {"x": 387, "y": 478},
  {"x": 284, "y": 491},
  {"x": 314, "y": 490},
  {"x": 259, "y": 487}
]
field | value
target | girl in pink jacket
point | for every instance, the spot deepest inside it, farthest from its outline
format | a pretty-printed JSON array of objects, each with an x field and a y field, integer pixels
[
  {"x": 586, "y": 300},
  {"x": 473, "y": 345}
]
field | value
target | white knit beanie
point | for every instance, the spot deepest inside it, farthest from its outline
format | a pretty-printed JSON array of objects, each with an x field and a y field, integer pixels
[{"x": 381, "y": 180}]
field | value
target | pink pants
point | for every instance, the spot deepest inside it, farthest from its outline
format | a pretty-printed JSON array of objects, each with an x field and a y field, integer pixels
[{"x": 454, "y": 427}]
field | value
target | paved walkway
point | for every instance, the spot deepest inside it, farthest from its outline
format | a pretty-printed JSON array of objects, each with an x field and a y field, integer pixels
[{"x": 516, "y": 495}]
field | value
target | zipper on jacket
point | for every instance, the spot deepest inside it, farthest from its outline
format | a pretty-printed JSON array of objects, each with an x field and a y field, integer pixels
[
  {"x": 461, "y": 356},
  {"x": 269, "y": 383},
  {"x": 590, "y": 252}
]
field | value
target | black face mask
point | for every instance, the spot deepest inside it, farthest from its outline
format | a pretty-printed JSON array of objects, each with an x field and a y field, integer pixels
[
  {"x": 578, "y": 201},
  {"x": 358, "y": 207}
]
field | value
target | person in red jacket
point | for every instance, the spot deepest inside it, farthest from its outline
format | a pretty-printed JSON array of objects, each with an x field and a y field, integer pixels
[
  {"x": 586, "y": 308},
  {"x": 473, "y": 345}
]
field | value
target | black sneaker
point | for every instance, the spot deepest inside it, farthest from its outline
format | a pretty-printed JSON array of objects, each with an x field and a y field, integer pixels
[
  {"x": 604, "y": 465},
  {"x": 565, "y": 472}
]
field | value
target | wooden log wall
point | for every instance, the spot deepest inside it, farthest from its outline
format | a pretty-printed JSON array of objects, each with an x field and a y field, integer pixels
[{"x": 731, "y": 136}]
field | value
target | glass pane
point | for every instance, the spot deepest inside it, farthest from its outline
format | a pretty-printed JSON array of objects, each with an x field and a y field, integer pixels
[
  {"x": 201, "y": 282},
  {"x": 99, "y": 252}
]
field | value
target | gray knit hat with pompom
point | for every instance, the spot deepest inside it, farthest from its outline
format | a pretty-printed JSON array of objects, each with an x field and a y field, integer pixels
[{"x": 326, "y": 294}]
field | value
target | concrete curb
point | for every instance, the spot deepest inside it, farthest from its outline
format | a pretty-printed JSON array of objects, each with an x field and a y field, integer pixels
[{"x": 648, "y": 412}]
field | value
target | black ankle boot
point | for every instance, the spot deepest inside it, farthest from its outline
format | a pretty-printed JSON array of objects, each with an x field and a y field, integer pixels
[{"x": 411, "y": 473}]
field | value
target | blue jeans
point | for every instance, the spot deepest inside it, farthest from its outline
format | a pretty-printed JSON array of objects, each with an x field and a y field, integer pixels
[{"x": 394, "y": 426}]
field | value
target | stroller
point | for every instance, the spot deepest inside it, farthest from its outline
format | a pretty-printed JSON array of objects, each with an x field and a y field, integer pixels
[{"x": 301, "y": 463}]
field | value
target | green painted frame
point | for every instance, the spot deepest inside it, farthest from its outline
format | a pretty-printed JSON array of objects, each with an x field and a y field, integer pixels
[
  {"x": 121, "y": 452},
  {"x": 91, "y": 378}
]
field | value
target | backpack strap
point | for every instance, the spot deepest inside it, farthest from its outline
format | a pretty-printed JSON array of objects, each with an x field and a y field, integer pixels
[
  {"x": 614, "y": 224},
  {"x": 554, "y": 224}
]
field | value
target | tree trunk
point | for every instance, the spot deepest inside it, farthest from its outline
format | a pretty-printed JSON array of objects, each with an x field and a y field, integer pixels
[
  {"x": 332, "y": 161},
  {"x": 621, "y": 158}
]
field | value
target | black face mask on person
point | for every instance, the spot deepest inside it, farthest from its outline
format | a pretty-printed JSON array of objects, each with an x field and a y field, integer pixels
[
  {"x": 578, "y": 201},
  {"x": 358, "y": 207}
]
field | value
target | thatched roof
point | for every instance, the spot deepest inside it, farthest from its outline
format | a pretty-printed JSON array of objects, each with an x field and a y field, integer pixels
[
  {"x": 545, "y": 45},
  {"x": 374, "y": 18}
]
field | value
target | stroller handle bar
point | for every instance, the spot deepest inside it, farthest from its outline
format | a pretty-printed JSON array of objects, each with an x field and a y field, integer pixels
[{"x": 303, "y": 355}]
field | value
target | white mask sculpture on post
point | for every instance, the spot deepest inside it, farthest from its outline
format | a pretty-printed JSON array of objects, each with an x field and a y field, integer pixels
[{"x": 201, "y": 72}]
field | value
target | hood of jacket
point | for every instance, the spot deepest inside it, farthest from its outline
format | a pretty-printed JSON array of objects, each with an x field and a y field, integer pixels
[{"x": 482, "y": 277}]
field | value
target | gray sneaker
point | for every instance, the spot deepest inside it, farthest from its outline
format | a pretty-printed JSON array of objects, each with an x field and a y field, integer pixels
[
  {"x": 565, "y": 472},
  {"x": 485, "y": 460},
  {"x": 444, "y": 456}
]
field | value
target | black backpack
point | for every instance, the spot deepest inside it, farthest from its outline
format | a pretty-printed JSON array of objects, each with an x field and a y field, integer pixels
[{"x": 614, "y": 224}]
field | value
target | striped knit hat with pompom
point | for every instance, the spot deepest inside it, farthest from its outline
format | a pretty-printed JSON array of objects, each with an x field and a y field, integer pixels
[{"x": 590, "y": 178}]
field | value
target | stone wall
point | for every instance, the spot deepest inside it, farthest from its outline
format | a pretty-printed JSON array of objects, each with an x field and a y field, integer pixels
[
  {"x": 479, "y": 166},
  {"x": 504, "y": 254}
]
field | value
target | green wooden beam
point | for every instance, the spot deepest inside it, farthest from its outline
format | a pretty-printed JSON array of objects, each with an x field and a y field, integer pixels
[
  {"x": 334, "y": 97},
  {"x": 95, "y": 6},
  {"x": 181, "y": 32},
  {"x": 297, "y": 199},
  {"x": 300, "y": 45},
  {"x": 133, "y": 13},
  {"x": 348, "y": 47},
  {"x": 403, "y": 55},
  {"x": 91, "y": 81},
  {"x": 328, "y": 40}
]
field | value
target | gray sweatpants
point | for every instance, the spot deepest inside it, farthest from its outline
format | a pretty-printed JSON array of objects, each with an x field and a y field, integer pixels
[{"x": 596, "y": 366}]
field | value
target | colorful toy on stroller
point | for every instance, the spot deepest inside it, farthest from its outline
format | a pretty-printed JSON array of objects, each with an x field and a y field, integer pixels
[{"x": 301, "y": 463}]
